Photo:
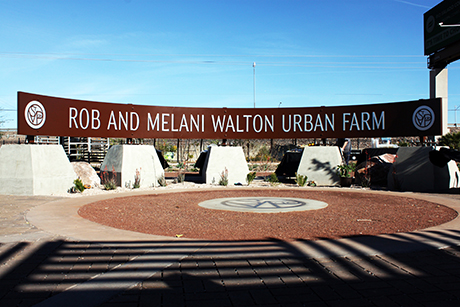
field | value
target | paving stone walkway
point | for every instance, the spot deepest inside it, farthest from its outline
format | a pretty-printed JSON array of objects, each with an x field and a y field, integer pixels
[
  {"x": 267, "y": 273},
  {"x": 428, "y": 278},
  {"x": 55, "y": 270}
]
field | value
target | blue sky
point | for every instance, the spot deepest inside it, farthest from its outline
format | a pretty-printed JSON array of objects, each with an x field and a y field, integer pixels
[{"x": 308, "y": 53}]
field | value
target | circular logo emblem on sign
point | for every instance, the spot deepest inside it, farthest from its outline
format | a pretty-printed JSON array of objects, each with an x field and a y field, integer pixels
[
  {"x": 423, "y": 118},
  {"x": 430, "y": 23},
  {"x": 35, "y": 114}
]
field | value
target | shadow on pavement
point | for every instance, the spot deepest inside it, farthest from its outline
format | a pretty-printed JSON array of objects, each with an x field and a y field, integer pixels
[{"x": 232, "y": 273}]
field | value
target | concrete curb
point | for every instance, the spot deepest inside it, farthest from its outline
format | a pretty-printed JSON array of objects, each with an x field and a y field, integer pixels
[{"x": 60, "y": 218}]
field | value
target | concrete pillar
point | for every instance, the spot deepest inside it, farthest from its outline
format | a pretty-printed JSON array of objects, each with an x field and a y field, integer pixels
[
  {"x": 125, "y": 160},
  {"x": 438, "y": 89},
  {"x": 413, "y": 171},
  {"x": 319, "y": 163},
  {"x": 221, "y": 158},
  {"x": 35, "y": 170}
]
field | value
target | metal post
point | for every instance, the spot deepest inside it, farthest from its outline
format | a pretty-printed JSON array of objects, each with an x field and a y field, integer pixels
[
  {"x": 89, "y": 149},
  {"x": 177, "y": 151}
]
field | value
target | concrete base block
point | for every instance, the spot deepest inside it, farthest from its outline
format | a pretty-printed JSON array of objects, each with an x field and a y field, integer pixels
[
  {"x": 35, "y": 170},
  {"x": 125, "y": 160},
  {"x": 319, "y": 163},
  {"x": 221, "y": 158},
  {"x": 413, "y": 171}
]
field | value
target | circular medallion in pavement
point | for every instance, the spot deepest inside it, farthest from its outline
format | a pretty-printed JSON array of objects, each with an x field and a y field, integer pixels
[{"x": 263, "y": 204}]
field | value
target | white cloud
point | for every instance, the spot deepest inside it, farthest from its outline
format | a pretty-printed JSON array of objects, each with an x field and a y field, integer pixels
[
  {"x": 86, "y": 43},
  {"x": 413, "y": 4}
]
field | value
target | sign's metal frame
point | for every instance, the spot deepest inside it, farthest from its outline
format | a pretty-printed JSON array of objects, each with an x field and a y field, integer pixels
[
  {"x": 441, "y": 34},
  {"x": 437, "y": 37}
]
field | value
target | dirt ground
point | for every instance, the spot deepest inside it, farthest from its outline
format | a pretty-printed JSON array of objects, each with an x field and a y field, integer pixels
[{"x": 347, "y": 214}]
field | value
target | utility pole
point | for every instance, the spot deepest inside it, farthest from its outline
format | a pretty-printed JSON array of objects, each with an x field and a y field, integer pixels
[{"x": 254, "y": 80}]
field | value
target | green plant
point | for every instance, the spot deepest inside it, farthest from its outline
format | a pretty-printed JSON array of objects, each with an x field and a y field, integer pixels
[
  {"x": 451, "y": 139},
  {"x": 312, "y": 184},
  {"x": 115, "y": 141},
  {"x": 180, "y": 165},
  {"x": 266, "y": 166},
  {"x": 263, "y": 154},
  {"x": 137, "y": 180},
  {"x": 109, "y": 181},
  {"x": 345, "y": 170},
  {"x": 272, "y": 178},
  {"x": 365, "y": 182},
  {"x": 250, "y": 177},
  {"x": 224, "y": 178},
  {"x": 162, "y": 181},
  {"x": 365, "y": 176},
  {"x": 180, "y": 177},
  {"x": 164, "y": 147},
  {"x": 110, "y": 185},
  {"x": 78, "y": 185},
  {"x": 300, "y": 179}
]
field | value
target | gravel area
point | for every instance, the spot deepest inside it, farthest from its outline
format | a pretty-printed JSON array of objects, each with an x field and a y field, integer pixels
[{"x": 348, "y": 214}]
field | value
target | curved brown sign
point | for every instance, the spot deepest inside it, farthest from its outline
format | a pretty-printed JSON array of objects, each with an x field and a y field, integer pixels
[{"x": 45, "y": 115}]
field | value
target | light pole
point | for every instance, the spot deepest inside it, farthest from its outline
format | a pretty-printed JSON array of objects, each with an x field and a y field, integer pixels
[
  {"x": 456, "y": 109},
  {"x": 254, "y": 81}
]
